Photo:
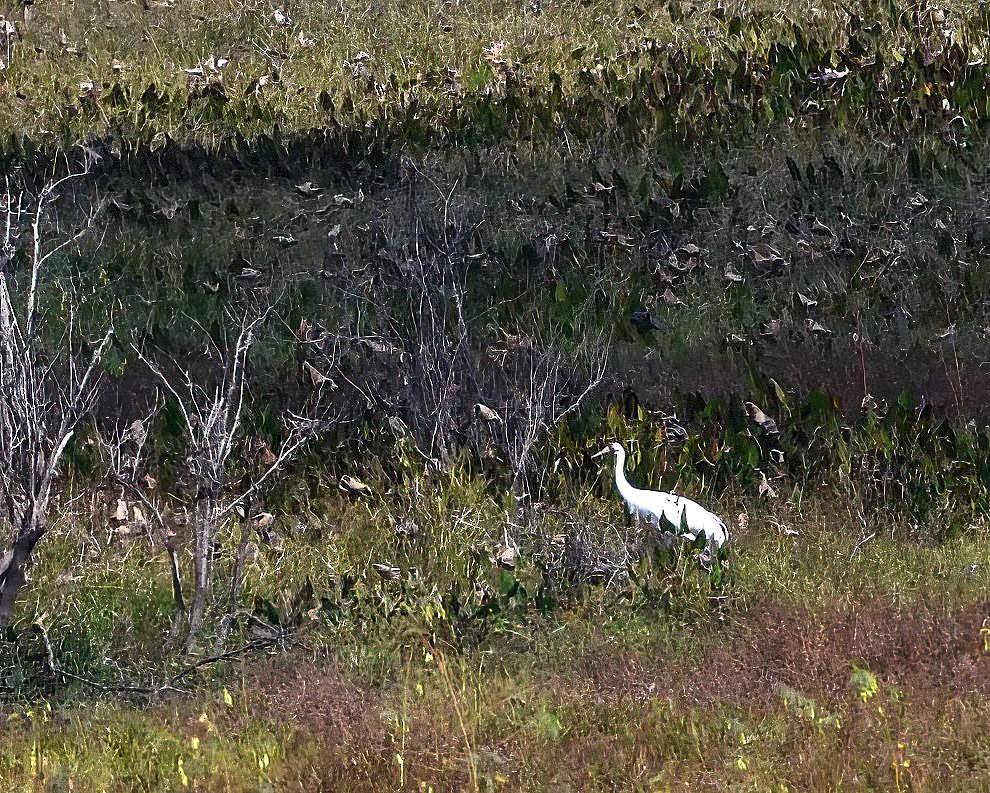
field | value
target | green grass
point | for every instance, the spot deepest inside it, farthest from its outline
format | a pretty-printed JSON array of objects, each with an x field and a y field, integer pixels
[
  {"x": 116, "y": 71},
  {"x": 606, "y": 154},
  {"x": 755, "y": 690},
  {"x": 601, "y": 696}
]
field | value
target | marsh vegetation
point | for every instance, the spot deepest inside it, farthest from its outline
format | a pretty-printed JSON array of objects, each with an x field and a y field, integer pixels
[{"x": 312, "y": 317}]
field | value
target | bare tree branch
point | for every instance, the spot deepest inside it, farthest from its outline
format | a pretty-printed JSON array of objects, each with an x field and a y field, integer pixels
[
  {"x": 212, "y": 408},
  {"x": 44, "y": 393}
]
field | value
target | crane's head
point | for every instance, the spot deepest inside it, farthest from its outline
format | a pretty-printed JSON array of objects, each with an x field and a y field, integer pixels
[{"x": 614, "y": 448}]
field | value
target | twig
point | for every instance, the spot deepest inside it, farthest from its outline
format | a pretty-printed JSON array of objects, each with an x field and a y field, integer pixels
[
  {"x": 254, "y": 644},
  {"x": 120, "y": 688},
  {"x": 861, "y": 543},
  {"x": 152, "y": 691}
]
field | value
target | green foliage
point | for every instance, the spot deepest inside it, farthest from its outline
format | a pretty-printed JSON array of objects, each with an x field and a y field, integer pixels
[
  {"x": 793, "y": 193},
  {"x": 717, "y": 73}
]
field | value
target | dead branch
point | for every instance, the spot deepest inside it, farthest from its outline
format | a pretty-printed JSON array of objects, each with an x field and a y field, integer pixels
[
  {"x": 151, "y": 691},
  {"x": 212, "y": 408},
  {"x": 44, "y": 393}
]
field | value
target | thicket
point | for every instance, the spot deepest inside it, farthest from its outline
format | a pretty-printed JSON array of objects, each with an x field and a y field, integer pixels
[{"x": 318, "y": 277}]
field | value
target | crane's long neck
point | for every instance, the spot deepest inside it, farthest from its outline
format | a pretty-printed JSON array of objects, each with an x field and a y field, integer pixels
[{"x": 621, "y": 483}]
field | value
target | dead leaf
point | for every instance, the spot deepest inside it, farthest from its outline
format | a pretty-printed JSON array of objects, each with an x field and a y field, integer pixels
[
  {"x": 387, "y": 571},
  {"x": 765, "y": 422},
  {"x": 137, "y": 431},
  {"x": 266, "y": 456},
  {"x": 351, "y": 484},
  {"x": 485, "y": 413},
  {"x": 316, "y": 377},
  {"x": 505, "y": 557},
  {"x": 871, "y": 405},
  {"x": 820, "y": 228},
  {"x": 263, "y": 521},
  {"x": 307, "y": 188},
  {"x": 764, "y": 254},
  {"x": 826, "y": 75},
  {"x": 771, "y": 327}
]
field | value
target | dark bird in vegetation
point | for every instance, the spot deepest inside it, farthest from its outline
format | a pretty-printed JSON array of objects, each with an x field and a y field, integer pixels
[
  {"x": 767, "y": 424},
  {"x": 353, "y": 485},
  {"x": 644, "y": 321}
]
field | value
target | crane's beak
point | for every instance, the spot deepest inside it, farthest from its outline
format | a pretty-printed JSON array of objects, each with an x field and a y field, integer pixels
[{"x": 604, "y": 451}]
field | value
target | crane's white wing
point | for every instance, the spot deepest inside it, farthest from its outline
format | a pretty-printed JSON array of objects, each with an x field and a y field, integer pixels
[{"x": 652, "y": 506}]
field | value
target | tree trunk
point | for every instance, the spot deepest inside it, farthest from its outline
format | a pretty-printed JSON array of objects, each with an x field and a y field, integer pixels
[
  {"x": 228, "y": 620},
  {"x": 14, "y": 575},
  {"x": 205, "y": 530}
]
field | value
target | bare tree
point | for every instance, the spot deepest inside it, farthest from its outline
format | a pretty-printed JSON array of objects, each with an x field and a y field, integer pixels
[
  {"x": 544, "y": 382},
  {"x": 44, "y": 393},
  {"x": 211, "y": 404},
  {"x": 437, "y": 345}
]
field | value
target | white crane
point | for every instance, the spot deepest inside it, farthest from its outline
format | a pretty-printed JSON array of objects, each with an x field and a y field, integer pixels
[{"x": 688, "y": 518}]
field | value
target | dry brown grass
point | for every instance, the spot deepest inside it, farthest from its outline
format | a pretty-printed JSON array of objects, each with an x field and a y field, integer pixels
[{"x": 617, "y": 718}]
